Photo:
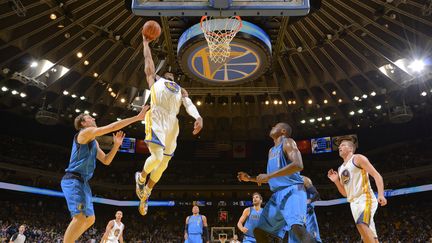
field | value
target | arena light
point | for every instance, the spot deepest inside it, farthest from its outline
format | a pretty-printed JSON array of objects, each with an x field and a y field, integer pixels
[
  {"x": 303, "y": 121},
  {"x": 94, "y": 114},
  {"x": 327, "y": 118},
  {"x": 294, "y": 102},
  {"x": 364, "y": 96},
  {"x": 118, "y": 119},
  {"x": 356, "y": 98},
  {"x": 275, "y": 102},
  {"x": 310, "y": 101},
  {"x": 4, "y": 89},
  {"x": 86, "y": 62},
  {"x": 73, "y": 96},
  {"x": 289, "y": 102},
  {"x": 23, "y": 95},
  {"x": 14, "y": 92},
  {"x": 378, "y": 107},
  {"x": 360, "y": 111},
  {"x": 65, "y": 92},
  {"x": 325, "y": 101},
  {"x": 280, "y": 102},
  {"x": 109, "y": 89},
  {"x": 334, "y": 92},
  {"x": 79, "y": 54},
  {"x": 373, "y": 93},
  {"x": 34, "y": 64},
  {"x": 423, "y": 93},
  {"x": 198, "y": 103},
  {"x": 86, "y": 112},
  {"x": 352, "y": 113},
  {"x": 340, "y": 100},
  {"x": 122, "y": 100},
  {"x": 77, "y": 110},
  {"x": 319, "y": 119},
  {"x": 53, "y": 16},
  {"x": 267, "y": 102},
  {"x": 417, "y": 65},
  {"x": 82, "y": 97},
  {"x": 95, "y": 74},
  {"x": 312, "y": 120},
  {"x": 143, "y": 122}
]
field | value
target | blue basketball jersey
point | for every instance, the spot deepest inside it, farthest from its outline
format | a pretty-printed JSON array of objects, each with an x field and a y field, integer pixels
[
  {"x": 252, "y": 221},
  {"x": 83, "y": 159},
  {"x": 276, "y": 161},
  {"x": 195, "y": 224}
]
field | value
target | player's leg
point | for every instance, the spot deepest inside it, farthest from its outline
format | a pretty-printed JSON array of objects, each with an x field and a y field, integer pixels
[
  {"x": 293, "y": 208},
  {"x": 152, "y": 161},
  {"x": 78, "y": 198},
  {"x": 170, "y": 147},
  {"x": 271, "y": 221},
  {"x": 363, "y": 210}
]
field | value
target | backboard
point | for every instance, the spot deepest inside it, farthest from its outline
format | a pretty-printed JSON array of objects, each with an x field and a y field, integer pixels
[{"x": 222, "y": 8}]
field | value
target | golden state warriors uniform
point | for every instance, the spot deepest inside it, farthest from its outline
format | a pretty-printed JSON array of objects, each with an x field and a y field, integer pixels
[
  {"x": 359, "y": 193},
  {"x": 161, "y": 120},
  {"x": 115, "y": 232}
]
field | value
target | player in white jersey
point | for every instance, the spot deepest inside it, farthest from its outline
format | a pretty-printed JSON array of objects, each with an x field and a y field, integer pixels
[
  {"x": 352, "y": 181},
  {"x": 161, "y": 125},
  {"x": 114, "y": 230}
]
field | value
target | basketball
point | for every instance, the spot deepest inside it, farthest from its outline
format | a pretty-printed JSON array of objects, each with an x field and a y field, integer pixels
[{"x": 151, "y": 30}]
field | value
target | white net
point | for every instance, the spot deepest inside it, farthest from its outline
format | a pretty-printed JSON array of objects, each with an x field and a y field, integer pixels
[{"x": 219, "y": 34}]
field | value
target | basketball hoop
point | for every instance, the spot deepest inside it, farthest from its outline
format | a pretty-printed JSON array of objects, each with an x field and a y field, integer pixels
[{"x": 219, "y": 34}]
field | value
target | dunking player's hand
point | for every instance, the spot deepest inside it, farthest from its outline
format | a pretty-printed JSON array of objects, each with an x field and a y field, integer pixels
[
  {"x": 118, "y": 138},
  {"x": 141, "y": 115},
  {"x": 197, "y": 126}
]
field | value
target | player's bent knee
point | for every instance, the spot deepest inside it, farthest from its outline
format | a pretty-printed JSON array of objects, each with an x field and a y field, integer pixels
[{"x": 90, "y": 220}]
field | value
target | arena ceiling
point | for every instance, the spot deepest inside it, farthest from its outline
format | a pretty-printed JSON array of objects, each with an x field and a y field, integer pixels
[{"x": 347, "y": 64}]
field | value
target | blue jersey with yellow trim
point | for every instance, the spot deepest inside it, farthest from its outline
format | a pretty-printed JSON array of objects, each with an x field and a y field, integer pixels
[
  {"x": 83, "y": 158},
  {"x": 276, "y": 161}
]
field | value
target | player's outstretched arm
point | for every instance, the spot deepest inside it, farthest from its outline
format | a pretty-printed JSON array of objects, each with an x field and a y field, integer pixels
[
  {"x": 364, "y": 163},
  {"x": 106, "y": 159},
  {"x": 334, "y": 177},
  {"x": 192, "y": 111},
  {"x": 242, "y": 219},
  {"x": 149, "y": 67},
  {"x": 91, "y": 133}
]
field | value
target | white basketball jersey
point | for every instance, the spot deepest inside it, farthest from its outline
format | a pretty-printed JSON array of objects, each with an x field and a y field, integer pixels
[
  {"x": 115, "y": 232},
  {"x": 167, "y": 95},
  {"x": 355, "y": 180}
]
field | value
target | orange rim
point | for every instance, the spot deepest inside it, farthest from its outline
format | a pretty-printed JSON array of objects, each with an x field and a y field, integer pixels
[{"x": 203, "y": 18}]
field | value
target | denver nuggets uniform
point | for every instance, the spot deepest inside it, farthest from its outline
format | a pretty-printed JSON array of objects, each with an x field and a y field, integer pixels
[
  {"x": 161, "y": 120},
  {"x": 359, "y": 193},
  {"x": 115, "y": 233}
]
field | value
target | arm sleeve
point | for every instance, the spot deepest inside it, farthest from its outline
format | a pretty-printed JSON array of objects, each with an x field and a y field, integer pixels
[
  {"x": 190, "y": 108},
  {"x": 206, "y": 233},
  {"x": 314, "y": 193}
]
